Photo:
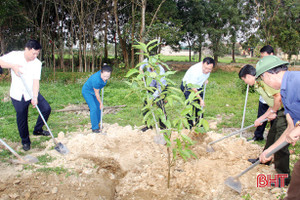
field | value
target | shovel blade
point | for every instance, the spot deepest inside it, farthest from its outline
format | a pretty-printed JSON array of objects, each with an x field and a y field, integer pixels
[
  {"x": 209, "y": 149},
  {"x": 234, "y": 184},
  {"x": 25, "y": 160},
  {"x": 61, "y": 148},
  {"x": 159, "y": 139},
  {"x": 103, "y": 133}
]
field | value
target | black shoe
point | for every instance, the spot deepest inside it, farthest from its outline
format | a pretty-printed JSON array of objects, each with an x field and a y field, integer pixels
[
  {"x": 96, "y": 130},
  {"x": 256, "y": 138},
  {"x": 144, "y": 129},
  {"x": 43, "y": 133},
  {"x": 255, "y": 160},
  {"x": 26, "y": 147}
]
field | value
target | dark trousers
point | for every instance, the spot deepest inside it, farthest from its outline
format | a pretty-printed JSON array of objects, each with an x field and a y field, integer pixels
[
  {"x": 293, "y": 192},
  {"x": 196, "y": 111},
  {"x": 161, "y": 105},
  {"x": 281, "y": 157},
  {"x": 262, "y": 108},
  {"x": 21, "y": 108}
]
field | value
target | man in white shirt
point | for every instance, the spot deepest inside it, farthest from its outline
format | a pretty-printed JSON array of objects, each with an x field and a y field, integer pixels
[
  {"x": 193, "y": 81},
  {"x": 29, "y": 66}
]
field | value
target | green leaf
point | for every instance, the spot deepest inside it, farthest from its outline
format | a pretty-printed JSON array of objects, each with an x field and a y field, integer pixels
[
  {"x": 187, "y": 138},
  {"x": 167, "y": 139},
  {"x": 131, "y": 72},
  {"x": 185, "y": 111},
  {"x": 205, "y": 124}
]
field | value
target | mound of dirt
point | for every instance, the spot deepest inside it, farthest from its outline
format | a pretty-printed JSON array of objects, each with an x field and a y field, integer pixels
[{"x": 127, "y": 164}]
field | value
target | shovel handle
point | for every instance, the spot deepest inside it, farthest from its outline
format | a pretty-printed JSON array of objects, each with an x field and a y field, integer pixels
[
  {"x": 101, "y": 114},
  {"x": 234, "y": 133},
  {"x": 28, "y": 91},
  {"x": 283, "y": 144},
  {"x": 11, "y": 150}
]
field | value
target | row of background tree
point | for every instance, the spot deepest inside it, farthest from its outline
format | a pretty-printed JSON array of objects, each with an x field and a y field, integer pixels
[{"x": 76, "y": 34}]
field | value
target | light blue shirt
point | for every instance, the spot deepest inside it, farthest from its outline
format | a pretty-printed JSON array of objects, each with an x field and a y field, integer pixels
[
  {"x": 155, "y": 83},
  {"x": 195, "y": 76},
  {"x": 290, "y": 94}
]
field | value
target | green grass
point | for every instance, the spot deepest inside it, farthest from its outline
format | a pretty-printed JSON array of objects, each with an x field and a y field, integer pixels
[{"x": 44, "y": 159}]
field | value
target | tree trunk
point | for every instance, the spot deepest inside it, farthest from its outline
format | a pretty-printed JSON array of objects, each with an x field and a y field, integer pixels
[
  {"x": 105, "y": 37},
  {"x": 41, "y": 26},
  {"x": 53, "y": 58},
  {"x": 122, "y": 41},
  {"x": 200, "y": 53},
  {"x": 142, "y": 30},
  {"x": 216, "y": 60},
  {"x": 2, "y": 40},
  {"x": 190, "y": 53},
  {"x": 80, "y": 54},
  {"x": 233, "y": 52},
  {"x": 62, "y": 65},
  {"x": 132, "y": 32}
]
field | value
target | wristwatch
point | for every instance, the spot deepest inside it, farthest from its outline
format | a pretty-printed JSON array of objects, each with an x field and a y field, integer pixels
[
  {"x": 297, "y": 123},
  {"x": 272, "y": 111}
]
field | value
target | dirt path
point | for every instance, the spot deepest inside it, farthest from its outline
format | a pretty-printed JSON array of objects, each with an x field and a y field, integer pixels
[{"x": 127, "y": 164}]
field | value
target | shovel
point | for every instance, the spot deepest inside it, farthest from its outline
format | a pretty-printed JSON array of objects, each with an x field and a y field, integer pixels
[
  {"x": 158, "y": 138},
  {"x": 235, "y": 184},
  {"x": 25, "y": 160},
  {"x": 203, "y": 100},
  {"x": 58, "y": 146},
  {"x": 209, "y": 147},
  {"x": 101, "y": 114}
]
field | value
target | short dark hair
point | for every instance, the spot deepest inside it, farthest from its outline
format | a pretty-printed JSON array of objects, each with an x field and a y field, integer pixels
[
  {"x": 278, "y": 69},
  {"x": 106, "y": 68},
  {"x": 247, "y": 69},
  {"x": 209, "y": 60},
  {"x": 33, "y": 44},
  {"x": 268, "y": 49}
]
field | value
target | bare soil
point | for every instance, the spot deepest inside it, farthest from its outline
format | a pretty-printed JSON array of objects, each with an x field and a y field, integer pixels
[{"x": 126, "y": 164}]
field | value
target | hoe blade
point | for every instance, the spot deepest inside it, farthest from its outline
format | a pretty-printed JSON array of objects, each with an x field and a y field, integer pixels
[
  {"x": 28, "y": 159},
  {"x": 209, "y": 149},
  {"x": 234, "y": 184}
]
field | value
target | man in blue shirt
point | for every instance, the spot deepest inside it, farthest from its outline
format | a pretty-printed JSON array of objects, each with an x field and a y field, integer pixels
[
  {"x": 91, "y": 94},
  {"x": 273, "y": 72},
  {"x": 193, "y": 81}
]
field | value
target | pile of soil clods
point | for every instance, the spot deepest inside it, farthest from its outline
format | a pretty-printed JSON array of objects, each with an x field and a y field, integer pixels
[{"x": 127, "y": 164}]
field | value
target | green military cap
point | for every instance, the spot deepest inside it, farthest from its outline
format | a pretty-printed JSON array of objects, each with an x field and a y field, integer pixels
[{"x": 267, "y": 63}]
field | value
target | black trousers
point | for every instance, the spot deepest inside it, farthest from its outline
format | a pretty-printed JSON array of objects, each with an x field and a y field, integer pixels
[
  {"x": 21, "y": 108},
  {"x": 281, "y": 157},
  {"x": 262, "y": 108},
  {"x": 187, "y": 93},
  {"x": 161, "y": 105}
]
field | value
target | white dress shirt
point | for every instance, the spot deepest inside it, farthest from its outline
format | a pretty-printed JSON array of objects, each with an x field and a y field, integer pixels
[
  {"x": 195, "y": 76},
  {"x": 31, "y": 71}
]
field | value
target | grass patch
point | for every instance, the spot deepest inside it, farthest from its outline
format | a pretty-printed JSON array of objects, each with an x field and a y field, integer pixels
[
  {"x": 56, "y": 170},
  {"x": 46, "y": 158}
]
